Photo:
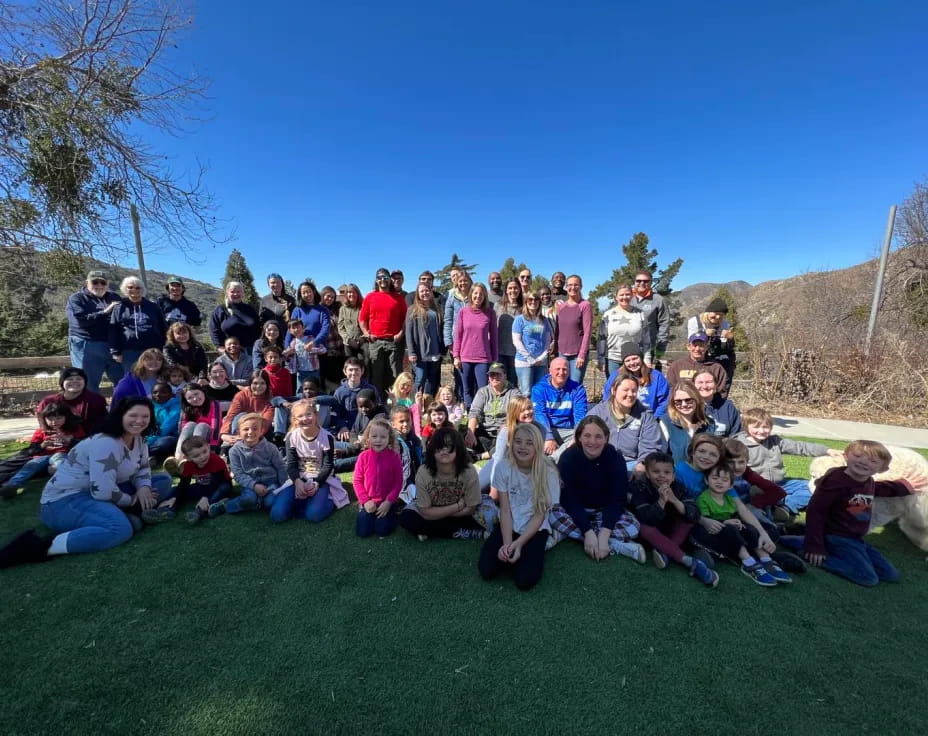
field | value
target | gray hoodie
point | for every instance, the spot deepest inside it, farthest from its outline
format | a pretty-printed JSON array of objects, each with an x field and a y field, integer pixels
[{"x": 766, "y": 458}]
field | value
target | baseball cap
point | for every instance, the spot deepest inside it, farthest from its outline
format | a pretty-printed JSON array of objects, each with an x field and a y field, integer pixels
[
  {"x": 97, "y": 275},
  {"x": 173, "y": 280},
  {"x": 699, "y": 337},
  {"x": 496, "y": 368}
]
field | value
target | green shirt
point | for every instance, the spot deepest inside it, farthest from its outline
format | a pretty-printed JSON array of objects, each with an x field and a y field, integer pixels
[{"x": 711, "y": 509}]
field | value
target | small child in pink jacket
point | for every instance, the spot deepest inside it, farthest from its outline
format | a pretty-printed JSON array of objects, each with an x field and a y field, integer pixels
[{"x": 378, "y": 480}]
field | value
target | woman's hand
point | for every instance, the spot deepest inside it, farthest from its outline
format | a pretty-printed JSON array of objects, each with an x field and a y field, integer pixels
[
  {"x": 581, "y": 361},
  {"x": 146, "y": 498},
  {"x": 457, "y": 363}
]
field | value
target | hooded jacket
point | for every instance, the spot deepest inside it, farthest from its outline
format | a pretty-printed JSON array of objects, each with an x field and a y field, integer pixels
[
  {"x": 637, "y": 437},
  {"x": 183, "y": 310},
  {"x": 766, "y": 458},
  {"x": 86, "y": 319},
  {"x": 136, "y": 326}
]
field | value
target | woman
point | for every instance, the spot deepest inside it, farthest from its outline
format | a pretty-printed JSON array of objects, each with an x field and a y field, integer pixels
[
  {"x": 312, "y": 314},
  {"x": 721, "y": 344},
  {"x": 633, "y": 430},
  {"x": 332, "y": 362},
  {"x": 182, "y": 348},
  {"x": 533, "y": 338},
  {"x": 507, "y": 309},
  {"x": 424, "y": 343},
  {"x": 235, "y": 319},
  {"x": 176, "y": 307},
  {"x": 86, "y": 405},
  {"x": 220, "y": 388},
  {"x": 686, "y": 416},
  {"x": 382, "y": 321},
  {"x": 722, "y": 411},
  {"x": 348, "y": 326},
  {"x": 278, "y": 304},
  {"x": 136, "y": 323},
  {"x": 574, "y": 326},
  {"x": 457, "y": 298},
  {"x": 104, "y": 482},
  {"x": 254, "y": 399},
  {"x": 272, "y": 333},
  {"x": 653, "y": 389},
  {"x": 141, "y": 378},
  {"x": 475, "y": 342},
  {"x": 622, "y": 327}
]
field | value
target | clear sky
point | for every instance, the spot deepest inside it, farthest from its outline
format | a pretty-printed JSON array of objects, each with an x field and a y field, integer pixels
[{"x": 754, "y": 140}]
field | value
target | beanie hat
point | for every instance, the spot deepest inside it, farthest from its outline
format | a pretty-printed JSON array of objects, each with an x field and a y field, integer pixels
[
  {"x": 68, "y": 372},
  {"x": 717, "y": 305},
  {"x": 629, "y": 349}
]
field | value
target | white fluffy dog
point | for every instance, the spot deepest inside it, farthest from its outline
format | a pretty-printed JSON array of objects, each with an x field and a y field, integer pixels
[{"x": 910, "y": 511}]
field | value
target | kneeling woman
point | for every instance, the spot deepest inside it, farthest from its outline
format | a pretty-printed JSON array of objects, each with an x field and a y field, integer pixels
[
  {"x": 527, "y": 486},
  {"x": 104, "y": 481}
]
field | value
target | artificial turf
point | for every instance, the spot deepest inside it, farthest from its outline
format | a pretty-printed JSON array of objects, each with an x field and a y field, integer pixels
[{"x": 238, "y": 627}]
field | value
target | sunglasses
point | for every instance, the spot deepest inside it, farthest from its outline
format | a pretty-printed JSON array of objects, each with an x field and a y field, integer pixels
[
  {"x": 99, "y": 282},
  {"x": 642, "y": 281},
  {"x": 683, "y": 402},
  {"x": 383, "y": 277},
  {"x": 133, "y": 288}
]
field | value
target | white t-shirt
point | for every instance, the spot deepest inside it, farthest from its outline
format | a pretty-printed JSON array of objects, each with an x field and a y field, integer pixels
[{"x": 510, "y": 480}]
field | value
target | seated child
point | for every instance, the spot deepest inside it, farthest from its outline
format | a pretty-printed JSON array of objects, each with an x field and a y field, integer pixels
[
  {"x": 527, "y": 487},
  {"x": 704, "y": 452},
  {"x": 378, "y": 480},
  {"x": 437, "y": 414},
  {"x": 457, "y": 412},
  {"x": 410, "y": 450},
  {"x": 765, "y": 457},
  {"x": 367, "y": 409},
  {"x": 256, "y": 466},
  {"x": 302, "y": 353},
  {"x": 401, "y": 393},
  {"x": 448, "y": 501},
  {"x": 838, "y": 516},
  {"x": 667, "y": 513},
  {"x": 177, "y": 377},
  {"x": 59, "y": 430},
  {"x": 204, "y": 480},
  {"x": 727, "y": 528},
  {"x": 314, "y": 491},
  {"x": 326, "y": 407},
  {"x": 162, "y": 442},
  {"x": 200, "y": 417},
  {"x": 281, "y": 379}
]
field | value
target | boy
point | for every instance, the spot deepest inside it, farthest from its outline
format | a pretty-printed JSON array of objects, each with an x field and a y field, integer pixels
[
  {"x": 256, "y": 465},
  {"x": 366, "y": 409},
  {"x": 209, "y": 477},
  {"x": 346, "y": 396},
  {"x": 302, "y": 352},
  {"x": 281, "y": 379},
  {"x": 765, "y": 457},
  {"x": 410, "y": 449},
  {"x": 236, "y": 362},
  {"x": 839, "y": 513}
]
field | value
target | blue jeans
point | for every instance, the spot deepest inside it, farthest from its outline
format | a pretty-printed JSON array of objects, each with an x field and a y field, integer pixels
[
  {"x": 509, "y": 363},
  {"x": 162, "y": 446},
  {"x": 612, "y": 365},
  {"x": 473, "y": 376},
  {"x": 528, "y": 377},
  {"x": 244, "y": 501},
  {"x": 34, "y": 466},
  {"x": 315, "y": 508},
  {"x": 94, "y": 358},
  {"x": 576, "y": 374},
  {"x": 852, "y": 559},
  {"x": 368, "y": 524},
  {"x": 428, "y": 375},
  {"x": 93, "y": 525},
  {"x": 798, "y": 494}
]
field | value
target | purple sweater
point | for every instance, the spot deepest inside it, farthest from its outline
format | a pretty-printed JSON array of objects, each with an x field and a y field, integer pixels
[
  {"x": 475, "y": 336},
  {"x": 574, "y": 324}
]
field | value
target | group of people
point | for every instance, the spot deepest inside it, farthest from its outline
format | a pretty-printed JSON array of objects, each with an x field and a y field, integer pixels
[{"x": 665, "y": 462}]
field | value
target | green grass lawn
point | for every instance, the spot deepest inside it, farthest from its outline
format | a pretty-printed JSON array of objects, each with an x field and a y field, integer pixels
[{"x": 236, "y": 627}]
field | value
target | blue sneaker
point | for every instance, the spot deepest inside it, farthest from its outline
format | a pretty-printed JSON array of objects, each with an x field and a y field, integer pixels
[
  {"x": 703, "y": 574},
  {"x": 759, "y": 575},
  {"x": 776, "y": 572}
]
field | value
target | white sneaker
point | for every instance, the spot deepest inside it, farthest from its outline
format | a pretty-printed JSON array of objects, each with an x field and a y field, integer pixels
[{"x": 628, "y": 549}]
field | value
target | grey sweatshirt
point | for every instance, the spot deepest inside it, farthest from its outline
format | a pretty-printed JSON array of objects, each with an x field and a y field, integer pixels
[
  {"x": 767, "y": 459},
  {"x": 259, "y": 464}
]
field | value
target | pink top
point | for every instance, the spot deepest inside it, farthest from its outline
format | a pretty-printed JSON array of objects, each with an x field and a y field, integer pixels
[
  {"x": 574, "y": 323},
  {"x": 475, "y": 336},
  {"x": 213, "y": 419},
  {"x": 378, "y": 476}
]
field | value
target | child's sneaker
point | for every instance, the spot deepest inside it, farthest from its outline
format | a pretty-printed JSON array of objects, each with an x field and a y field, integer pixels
[
  {"x": 789, "y": 562},
  {"x": 659, "y": 558},
  {"x": 782, "y": 515},
  {"x": 172, "y": 466},
  {"x": 470, "y": 534},
  {"x": 421, "y": 537},
  {"x": 8, "y": 491},
  {"x": 759, "y": 575},
  {"x": 628, "y": 549},
  {"x": 776, "y": 572},
  {"x": 553, "y": 538},
  {"x": 703, "y": 574},
  {"x": 156, "y": 516},
  {"x": 195, "y": 516},
  {"x": 217, "y": 509},
  {"x": 705, "y": 557}
]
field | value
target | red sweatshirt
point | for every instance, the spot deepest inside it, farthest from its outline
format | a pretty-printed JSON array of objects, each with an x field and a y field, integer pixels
[
  {"x": 771, "y": 494},
  {"x": 281, "y": 381}
]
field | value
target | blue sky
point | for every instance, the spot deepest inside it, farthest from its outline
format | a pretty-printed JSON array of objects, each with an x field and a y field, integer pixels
[{"x": 754, "y": 140}]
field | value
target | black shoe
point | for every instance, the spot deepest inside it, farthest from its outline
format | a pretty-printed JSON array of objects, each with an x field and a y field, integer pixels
[
  {"x": 707, "y": 559},
  {"x": 7, "y": 491},
  {"x": 788, "y": 561},
  {"x": 27, "y": 547},
  {"x": 797, "y": 528}
]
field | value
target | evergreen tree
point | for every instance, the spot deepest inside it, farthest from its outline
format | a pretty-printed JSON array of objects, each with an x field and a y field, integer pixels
[
  {"x": 510, "y": 272},
  {"x": 237, "y": 270},
  {"x": 442, "y": 281}
]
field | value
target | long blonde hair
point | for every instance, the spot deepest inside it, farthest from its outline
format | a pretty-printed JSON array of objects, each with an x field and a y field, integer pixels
[
  {"x": 541, "y": 494},
  {"x": 517, "y": 404}
]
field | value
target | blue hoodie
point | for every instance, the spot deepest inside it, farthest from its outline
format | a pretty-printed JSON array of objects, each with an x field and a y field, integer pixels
[
  {"x": 86, "y": 319},
  {"x": 558, "y": 407},
  {"x": 136, "y": 327},
  {"x": 346, "y": 403}
]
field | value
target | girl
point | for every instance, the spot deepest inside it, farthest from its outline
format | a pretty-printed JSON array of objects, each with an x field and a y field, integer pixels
[
  {"x": 255, "y": 399},
  {"x": 378, "y": 480},
  {"x": 59, "y": 430},
  {"x": 475, "y": 341},
  {"x": 141, "y": 378},
  {"x": 595, "y": 490},
  {"x": 281, "y": 379},
  {"x": 574, "y": 327},
  {"x": 401, "y": 392},
  {"x": 424, "y": 341},
  {"x": 704, "y": 452},
  {"x": 729, "y": 529},
  {"x": 527, "y": 487},
  {"x": 220, "y": 388},
  {"x": 448, "y": 500},
  {"x": 507, "y": 309},
  {"x": 200, "y": 417},
  {"x": 520, "y": 411},
  {"x": 182, "y": 348},
  {"x": 685, "y": 418},
  {"x": 438, "y": 417},
  {"x": 457, "y": 413},
  {"x": 532, "y": 337},
  {"x": 653, "y": 389},
  {"x": 177, "y": 377},
  {"x": 163, "y": 439},
  {"x": 348, "y": 326},
  {"x": 271, "y": 334},
  {"x": 315, "y": 491}
]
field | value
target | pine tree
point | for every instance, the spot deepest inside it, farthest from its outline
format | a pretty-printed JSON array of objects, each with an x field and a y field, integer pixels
[
  {"x": 237, "y": 270},
  {"x": 443, "y": 277}
]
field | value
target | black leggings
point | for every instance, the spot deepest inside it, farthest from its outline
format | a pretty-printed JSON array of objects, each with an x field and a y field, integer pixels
[
  {"x": 414, "y": 522},
  {"x": 729, "y": 541},
  {"x": 526, "y": 572}
]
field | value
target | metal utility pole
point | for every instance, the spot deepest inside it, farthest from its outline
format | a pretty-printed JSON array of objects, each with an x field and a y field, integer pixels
[
  {"x": 133, "y": 211},
  {"x": 881, "y": 273}
]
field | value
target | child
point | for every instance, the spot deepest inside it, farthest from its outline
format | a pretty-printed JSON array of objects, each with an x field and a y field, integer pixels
[
  {"x": 177, "y": 377},
  {"x": 457, "y": 413},
  {"x": 302, "y": 352},
  {"x": 667, "y": 514},
  {"x": 59, "y": 430},
  {"x": 437, "y": 414},
  {"x": 838, "y": 516},
  {"x": 755, "y": 491},
  {"x": 527, "y": 487},
  {"x": 256, "y": 466},
  {"x": 315, "y": 492},
  {"x": 182, "y": 349},
  {"x": 448, "y": 500},
  {"x": 727, "y": 528},
  {"x": 270, "y": 335},
  {"x": 204, "y": 479},
  {"x": 346, "y": 396},
  {"x": 163, "y": 440},
  {"x": 401, "y": 392},
  {"x": 704, "y": 452},
  {"x": 410, "y": 450},
  {"x": 367, "y": 410},
  {"x": 281, "y": 379},
  {"x": 200, "y": 417},
  {"x": 378, "y": 480},
  {"x": 765, "y": 457}
]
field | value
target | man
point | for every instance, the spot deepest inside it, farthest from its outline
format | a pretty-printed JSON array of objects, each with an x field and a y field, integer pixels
[
  {"x": 696, "y": 363},
  {"x": 654, "y": 308},
  {"x": 176, "y": 307},
  {"x": 488, "y": 411},
  {"x": 558, "y": 292},
  {"x": 495, "y": 292},
  {"x": 382, "y": 322},
  {"x": 525, "y": 279},
  {"x": 278, "y": 304},
  {"x": 398, "y": 278},
  {"x": 560, "y": 403},
  {"x": 89, "y": 311}
]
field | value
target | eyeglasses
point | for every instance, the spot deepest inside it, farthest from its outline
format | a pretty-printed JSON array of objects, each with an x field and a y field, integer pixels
[
  {"x": 642, "y": 281},
  {"x": 525, "y": 278},
  {"x": 496, "y": 375},
  {"x": 683, "y": 402},
  {"x": 383, "y": 277},
  {"x": 99, "y": 282},
  {"x": 133, "y": 288},
  {"x": 531, "y": 299}
]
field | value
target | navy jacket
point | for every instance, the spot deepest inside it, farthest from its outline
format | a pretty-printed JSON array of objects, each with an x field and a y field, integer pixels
[
  {"x": 85, "y": 315},
  {"x": 240, "y": 320},
  {"x": 136, "y": 327},
  {"x": 179, "y": 311}
]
